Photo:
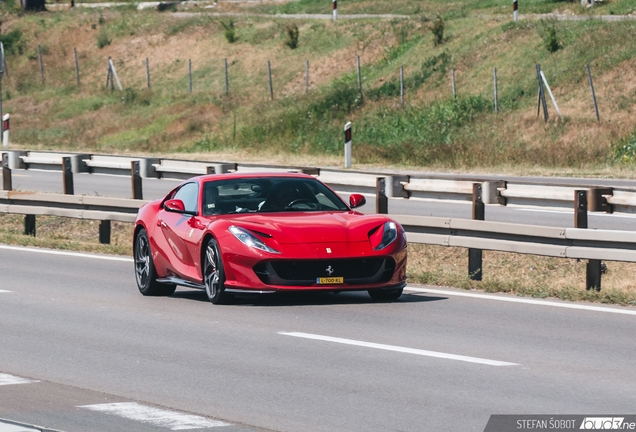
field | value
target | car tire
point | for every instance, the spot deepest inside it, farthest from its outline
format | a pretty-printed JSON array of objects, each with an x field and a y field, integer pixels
[
  {"x": 214, "y": 273},
  {"x": 390, "y": 294},
  {"x": 145, "y": 272}
]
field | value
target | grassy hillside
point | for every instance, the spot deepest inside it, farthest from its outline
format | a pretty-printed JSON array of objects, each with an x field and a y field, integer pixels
[{"x": 430, "y": 131}]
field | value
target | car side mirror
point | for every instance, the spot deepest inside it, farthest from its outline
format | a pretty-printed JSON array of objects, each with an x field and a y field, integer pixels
[
  {"x": 174, "y": 205},
  {"x": 357, "y": 200}
]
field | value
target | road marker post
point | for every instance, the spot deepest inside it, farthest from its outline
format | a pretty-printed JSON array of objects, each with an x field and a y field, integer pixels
[
  {"x": 515, "y": 11},
  {"x": 335, "y": 10},
  {"x": 347, "y": 148},
  {"x": 475, "y": 255}
]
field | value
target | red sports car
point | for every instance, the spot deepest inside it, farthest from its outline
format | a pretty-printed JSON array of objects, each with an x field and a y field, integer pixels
[{"x": 258, "y": 233}]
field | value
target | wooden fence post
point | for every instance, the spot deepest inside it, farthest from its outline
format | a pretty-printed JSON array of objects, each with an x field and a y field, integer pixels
[
  {"x": 269, "y": 73},
  {"x": 475, "y": 255},
  {"x": 76, "y": 66},
  {"x": 41, "y": 65}
]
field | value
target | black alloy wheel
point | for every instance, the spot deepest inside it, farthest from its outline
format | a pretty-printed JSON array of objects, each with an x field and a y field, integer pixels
[{"x": 145, "y": 272}]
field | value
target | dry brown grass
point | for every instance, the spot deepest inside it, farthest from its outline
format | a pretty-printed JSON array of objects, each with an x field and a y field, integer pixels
[{"x": 526, "y": 275}]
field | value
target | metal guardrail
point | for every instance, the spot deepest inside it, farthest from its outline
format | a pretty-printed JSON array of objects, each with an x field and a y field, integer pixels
[
  {"x": 495, "y": 191},
  {"x": 476, "y": 235}
]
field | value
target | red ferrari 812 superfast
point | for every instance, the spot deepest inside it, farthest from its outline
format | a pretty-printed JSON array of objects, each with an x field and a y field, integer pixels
[{"x": 259, "y": 233}]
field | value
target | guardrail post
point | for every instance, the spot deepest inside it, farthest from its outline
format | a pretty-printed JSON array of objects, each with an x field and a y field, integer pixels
[
  {"x": 135, "y": 176},
  {"x": 67, "y": 176},
  {"x": 580, "y": 209},
  {"x": 475, "y": 255},
  {"x": 104, "y": 232},
  {"x": 29, "y": 225},
  {"x": 210, "y": 170},
  {"x": 381, "y": 200},
  {"x": 6, "y": 173},
  {"x": 593, "y": 268}
]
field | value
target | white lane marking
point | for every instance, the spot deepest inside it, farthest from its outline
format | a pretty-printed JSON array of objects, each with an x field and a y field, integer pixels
[
  {"x": 400, "y": 349},
  {"x": 4, "y": 291},
  {"x": 6, "y": 379},
  {"x": 612, "y": 215},
  {"x": 524, "y": 300},
  {"x": 73, "y": 254},
  {"x": 155, "y": 416},
  {"x": 11, "y": 427}
]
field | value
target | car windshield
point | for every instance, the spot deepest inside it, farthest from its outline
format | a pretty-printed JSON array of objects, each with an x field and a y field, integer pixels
[{"x": 268, "y": 194}]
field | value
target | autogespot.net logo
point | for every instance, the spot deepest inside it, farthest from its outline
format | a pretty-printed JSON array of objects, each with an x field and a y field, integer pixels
[{"x": 606, "y": 423}]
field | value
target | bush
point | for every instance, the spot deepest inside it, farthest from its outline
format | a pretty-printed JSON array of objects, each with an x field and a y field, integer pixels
[
  {"x": 438, "y": 30},
  {"x": 548, "y": 33},
  {"x": 292, "y": 36},
  {"x": 12, "y": 42},
  {"x": 230, "y": 31},
  {"x": 103, "y": 39}
]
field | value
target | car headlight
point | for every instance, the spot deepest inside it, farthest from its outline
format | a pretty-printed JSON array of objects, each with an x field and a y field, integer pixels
[
  {"x": 389, "y": 234},
  {"x": 249, "y": 239}
]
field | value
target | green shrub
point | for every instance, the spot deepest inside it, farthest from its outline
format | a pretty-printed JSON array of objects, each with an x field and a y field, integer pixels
[
  {"x": 548, "y": 32},
  {"x": 230, "y": 31},
  {"x": 438, "y": 30},
  {"x": 13, "y": 42},
  {"x": 103, "y": 39},
  {"x": 292, "y": 36}
]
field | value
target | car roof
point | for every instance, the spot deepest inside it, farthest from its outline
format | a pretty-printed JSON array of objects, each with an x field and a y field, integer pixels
[{"x": 210, "y": 177}]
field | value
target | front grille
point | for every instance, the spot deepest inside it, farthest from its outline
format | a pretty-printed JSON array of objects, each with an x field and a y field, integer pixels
[{"x": 355, "y": 271}]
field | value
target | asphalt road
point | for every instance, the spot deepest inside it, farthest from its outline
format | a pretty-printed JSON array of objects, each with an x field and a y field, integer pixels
[
  {"x": 440, "y": 360},
  {"x": 120, "y": 186}
]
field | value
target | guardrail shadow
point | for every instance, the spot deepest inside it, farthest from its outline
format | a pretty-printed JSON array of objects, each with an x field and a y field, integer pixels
[{"x": 307, "y": 298}]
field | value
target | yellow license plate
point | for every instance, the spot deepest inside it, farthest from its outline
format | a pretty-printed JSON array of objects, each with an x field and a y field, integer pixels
[{"x": 333, "y": 280}]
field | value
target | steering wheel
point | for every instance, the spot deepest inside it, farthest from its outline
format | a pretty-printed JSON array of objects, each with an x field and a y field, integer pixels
[{"x": 299, "y": 201}]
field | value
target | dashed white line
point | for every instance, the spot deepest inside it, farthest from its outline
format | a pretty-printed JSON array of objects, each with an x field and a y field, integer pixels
[
  {"x": 523, "y": 300},
  {"x": 155, "y": 416},
  {"x": 6, "y": 379},
  {"x": 400, "y": 349},
  {"x": 73, "y": 254},
  {"x": 4, "y": 291}
]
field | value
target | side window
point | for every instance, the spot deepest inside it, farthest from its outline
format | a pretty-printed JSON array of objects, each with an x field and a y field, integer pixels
[{"x": 189, "y": 194}]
